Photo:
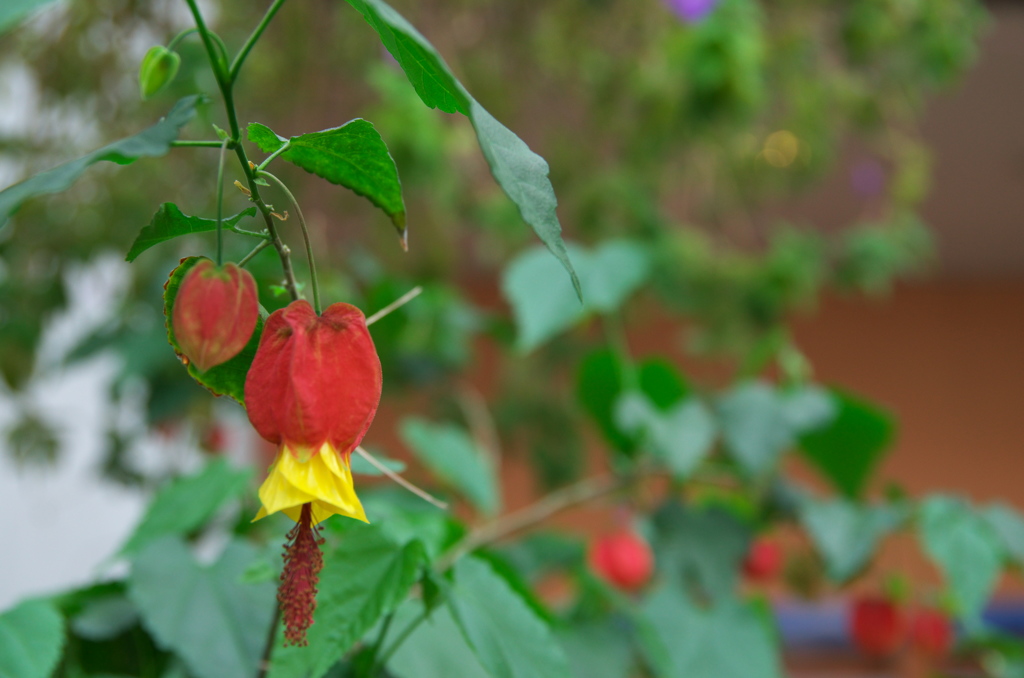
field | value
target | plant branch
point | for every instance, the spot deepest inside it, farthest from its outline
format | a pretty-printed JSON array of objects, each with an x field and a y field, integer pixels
[
  {"x": 578, "y": 493},
  {"x": 305, "y": 237},
  {"x": 422, "y": 494},
  {"x": 256, "y": 250},
  {"x": 236, "y": 64},
  {"x": 220, "y": 204},
  {"x": 225, "y": 85},
  {"x": 284, "y": 147},
  {"x": 268, "y": 646},
  {"x": 395, "y": 305}
]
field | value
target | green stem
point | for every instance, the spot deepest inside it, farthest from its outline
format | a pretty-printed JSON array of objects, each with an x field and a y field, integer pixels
[
  {"x": 184, "y": 143},
  {"x": 305, "y": 237},
  {"x": 220, "y": 205},
  {"x": 402, "y": 637},
  {"x": 284, "y": 147},
  {"x": 179, "y": 37},
  {"x": 256, "y": 250},
  {"x": 268, "y": 646},
  {"x": 283, "y": 253},
  {"x": 236, "y": 65},
  {"x": 375, "y": 653}
]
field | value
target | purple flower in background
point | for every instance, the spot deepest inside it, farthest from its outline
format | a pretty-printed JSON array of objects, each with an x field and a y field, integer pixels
[{"x": 691, "y": 11}]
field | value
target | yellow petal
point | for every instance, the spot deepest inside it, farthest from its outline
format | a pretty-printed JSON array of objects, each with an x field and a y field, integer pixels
[{"x": 325, "y": 480}]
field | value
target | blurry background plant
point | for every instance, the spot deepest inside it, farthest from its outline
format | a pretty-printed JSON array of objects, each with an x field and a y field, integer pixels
[{"x": 673, "y": 132}]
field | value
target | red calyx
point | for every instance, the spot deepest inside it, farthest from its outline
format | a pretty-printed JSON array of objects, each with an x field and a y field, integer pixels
[
  {"x": 877, "y": 625},
  {"x": 314, "y": 379},
  {"x": 623, "y": 559},
  {"x": 931, "y": 632},
  {"x": 215, "y": 313},
  {"x": 763, "y": 560}
]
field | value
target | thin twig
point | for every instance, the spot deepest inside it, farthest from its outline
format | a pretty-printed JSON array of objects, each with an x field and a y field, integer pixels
[
  {"x": 187, "y": 143},
  {"x": 395, "y": 305},
  {"x": 305, "y": 237},
  {"x": 556, "y": 502},
  {"x": 236, "y": 64},
  {"x": 422, "y": 494},
  {"x": 256, "y": 250}
]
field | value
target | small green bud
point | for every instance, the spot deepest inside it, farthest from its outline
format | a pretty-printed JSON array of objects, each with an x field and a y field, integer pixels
[{"x": 157, "y": 70}]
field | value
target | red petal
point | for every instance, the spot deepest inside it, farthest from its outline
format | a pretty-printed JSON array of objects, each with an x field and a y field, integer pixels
[{"x": 314, "y": 379}]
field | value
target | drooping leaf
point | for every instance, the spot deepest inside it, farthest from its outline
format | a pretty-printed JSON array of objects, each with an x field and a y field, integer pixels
[
  {"x": 187, "y": 503},
  {"x": 31, "y": 638},
  {"x": 13, "y": 12},
  {"x": 436, "y": 649},
  {"x": 681, "y": 437},
  {"x": 728, "y": 640},
  {"x": 509, "y": 640},
  {"x": 152, "y": 142},
  {"x": 520, "y": 172},
  {"x": 205, "y": 615},
  {"x": 755, "y": 426},
  {"x": 712, "y": 568},
  {"x": 1008, "y": 523},
  {"x": 367, "y": 576},
  {"x": 544, "y": 304},
  {"x": 353, "y": 155},
  {"x": 228, "y": 378},
  {"x": 966, "y": 549},
  {"x": 848, "y": 449},
  {"x": 169, "y": 222},
  {"x": 847, "y": 534},
  {"x": 451, "y": 453}
]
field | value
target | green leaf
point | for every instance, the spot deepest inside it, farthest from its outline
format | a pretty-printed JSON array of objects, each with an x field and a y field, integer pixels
[
  {"x": 1009, "y": 525},
  {"x": 729, "y": 640},
  {"x": 520, "y": 172},
  {"x": 756, "y": 426},
  {"x": 848, "y": 449},
  {"x": 228, "y": 378},
  {"x": 13, "y": 12},
  {"x": 544, "y": 304},
  {"x": 681, "y": 437},
  {"x": 436, "y": 649},
  {"x": 353, "y": 155},
  {"x": 966, "y": 549},
  {"x": 186, "y": 504},
  {"x": 205, "y": 615},
  {"x": 169, "y": 222},
  {"x": 597, "y": 650},
  {"x": 808, "y": 408},
  {"x": 713, "y": 568},
  {"x": 451, "y": 454},
  {"x": 31, "y": 638},
  {"x": 364, "y": 578},
  {"x": 847, "y": 534},
  {"x": 105, "y": 618},
  {"x": 152, "y": 142},
  {"x": 509, "y": 640}
]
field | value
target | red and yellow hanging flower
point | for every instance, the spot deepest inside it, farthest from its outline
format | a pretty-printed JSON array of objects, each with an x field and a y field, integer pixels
[{"x": 312, "y": 390}]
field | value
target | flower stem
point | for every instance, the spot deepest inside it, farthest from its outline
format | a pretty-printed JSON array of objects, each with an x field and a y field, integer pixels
[
  {"x": 179, "y": 37},
  {"x": 305, "y": 237},
  {"x": 256, "y": 250},
  {"x": 220, "y": 204}
]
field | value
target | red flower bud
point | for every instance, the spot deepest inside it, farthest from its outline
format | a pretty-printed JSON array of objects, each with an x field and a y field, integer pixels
[
  {"x": 312, "y": 390},
  {"x": 877, "y": 626},
  {"x": 215, "y": 313},
  {"x": 763, "y": 561},
  {"x": 932, "y": 633},
  {"x": 623, "y": 559}
]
